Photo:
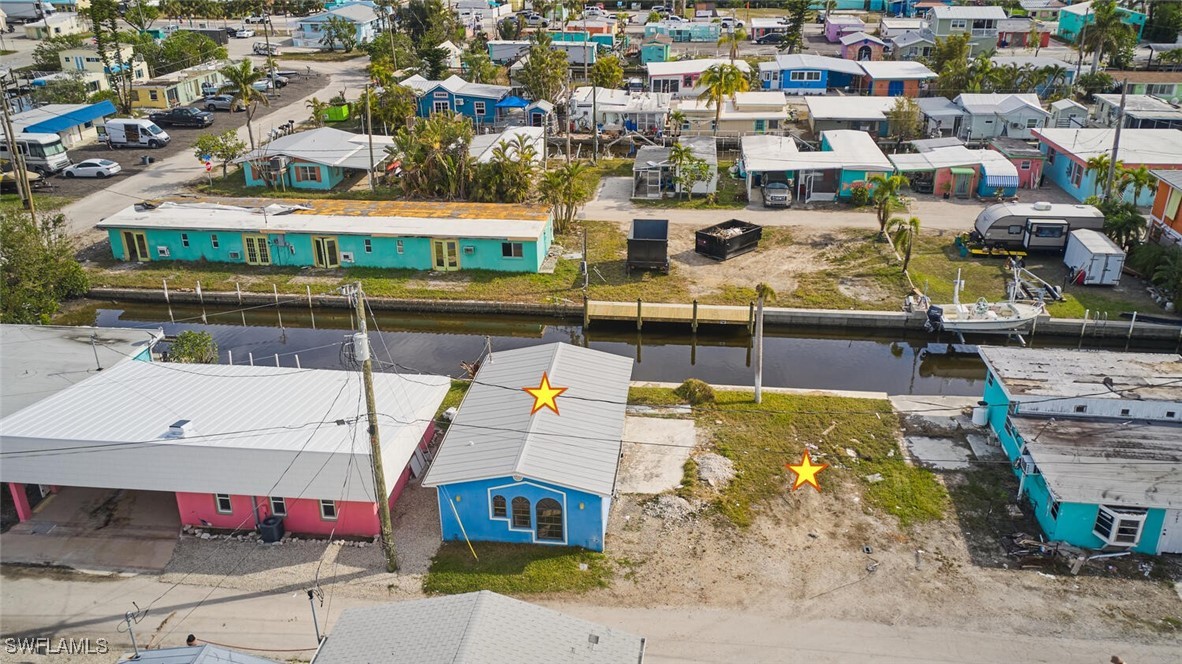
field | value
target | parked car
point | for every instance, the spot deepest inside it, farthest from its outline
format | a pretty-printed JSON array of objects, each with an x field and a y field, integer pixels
[
  {"x": 674, "y": 18},
  {"x": 730, "y": 23},
  {"x": 262, "y": 85},
  {"x": 182, "y": 117},
  {"x": 535, "y": 20},
  {"x": 776, "y": 194},
  {"x": 249, "y": 20},
  {"x": 232, "y": 30},
  {"x": 209, "y": 89},
  {"x": 277, "y": 80},
  {"x": 661, "y": 9},
  {"x": 262, "y": 48},
  {"x": 222, "y": 103},
  {"x": 771, "y": 38},
  {"x": 93, "y": 168},
  {"x": 243, "y": 33}
]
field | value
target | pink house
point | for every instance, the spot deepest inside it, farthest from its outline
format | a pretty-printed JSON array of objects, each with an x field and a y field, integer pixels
[
  {"x": 837, "y": 26},
  {"x": 1026, "y": 158},
  {"x": 861, "y": 46},
  {"x": 235, "y": 444}
]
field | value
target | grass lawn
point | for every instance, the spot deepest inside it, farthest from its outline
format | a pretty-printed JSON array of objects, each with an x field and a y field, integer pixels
[
  {"x": 44, "y": 202},
  {"x": 761, "y": 439},
  {"x": 731, "y": 194},
  {"x": 322, "y": 56},
  {"x": 455, "y": 394},
  {"x": 234, "y": 185},
  {"x": 514, "y": 569},
  {"x": 864, "y": 262}
]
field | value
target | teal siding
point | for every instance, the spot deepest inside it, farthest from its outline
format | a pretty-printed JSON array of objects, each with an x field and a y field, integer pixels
[{"x": 330, "y": 176}]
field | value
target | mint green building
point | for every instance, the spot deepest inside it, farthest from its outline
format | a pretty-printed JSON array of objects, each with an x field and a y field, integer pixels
[
  {"x": 316, "y": 160},
  {"x": 1073, "y": 18},
  {"x": 440, "y": 237}
]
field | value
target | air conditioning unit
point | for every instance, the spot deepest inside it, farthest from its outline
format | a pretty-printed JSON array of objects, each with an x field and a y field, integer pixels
[
  {"x": 234, "y": 255},
  {"x": 1026, "y": 464},
  {"x": 469, "y": 250},
  {"x": 163, "y": 252},
  {"x": 346, "y": 257}
]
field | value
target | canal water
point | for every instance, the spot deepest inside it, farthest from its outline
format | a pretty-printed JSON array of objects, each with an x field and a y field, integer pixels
[{"x": 439, "y": 344}]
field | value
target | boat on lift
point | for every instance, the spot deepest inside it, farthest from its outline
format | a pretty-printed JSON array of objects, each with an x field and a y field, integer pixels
[{"x": 980, "y": 317}]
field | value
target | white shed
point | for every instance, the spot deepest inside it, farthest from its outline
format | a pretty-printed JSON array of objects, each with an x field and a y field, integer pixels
[{"x": 1093, "y": 258}]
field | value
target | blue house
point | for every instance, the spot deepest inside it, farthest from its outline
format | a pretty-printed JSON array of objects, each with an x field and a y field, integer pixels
[
  {"x": 477, "y": 101},
  {"x": 847, "y": 158},
  {"x": 317, "y": 159},
  {"x": 1068, "y": 150},
  {"x": 807, "y": 74},
  {"x": 1093, "y": 438},
  {"x": 509, "y": 471},
  {"x": 441, "y": 237},
  {"x": 311, "y": 30}
]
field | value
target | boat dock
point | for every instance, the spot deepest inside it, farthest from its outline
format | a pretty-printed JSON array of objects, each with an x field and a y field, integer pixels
[{"x": 662, "y": 312}]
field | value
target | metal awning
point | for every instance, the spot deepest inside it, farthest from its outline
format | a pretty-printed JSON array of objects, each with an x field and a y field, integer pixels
[
  {"x": 1000, "y": 173},
  {"x": 958, "y": 170}
]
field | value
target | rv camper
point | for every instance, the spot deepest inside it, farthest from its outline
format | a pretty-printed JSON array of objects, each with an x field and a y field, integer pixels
[{"x": 1033, "y": 226}]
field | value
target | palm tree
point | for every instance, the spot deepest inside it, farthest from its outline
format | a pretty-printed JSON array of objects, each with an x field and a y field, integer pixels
[
  {"x": 566, "y": 189},
  {"x": 731, "y": 39},
  {"x": 1139, "y": 179},
  {"x": 241, "y": 78},
  {"x": 1098, "y": 166},
  {"x": 1124, "y": 225},
  {"x": 1106, "y": 32},
  {"x": 903, "y": 234},
  {"x": 763, "y": 292},
  {"x": 1168, "y": 274},
  {"x": 887, "y": 199},
  {"x": 1054, "y": 78},
  {"x": 830, "y": 6},
  {"x": 721, "y": 82},
  {"x": 676, "y": 122},
  {"x": 679, "y": 155},
  {"x": 318, "y": 109}
]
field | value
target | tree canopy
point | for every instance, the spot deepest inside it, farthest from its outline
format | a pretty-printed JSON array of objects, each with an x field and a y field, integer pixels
[{"x": 38, "y": 268}]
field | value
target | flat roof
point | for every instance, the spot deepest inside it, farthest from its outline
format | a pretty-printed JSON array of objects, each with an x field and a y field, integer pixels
[
  {"x": 255, "y": 431},
  {"x": 939, "y": 107},
  {"x": 1137, "y": 146},
  {"x": 897, "y": 70},
  {"x": 984, "y": 13},
  {"x": 791, "y": 61},
  {"x": 1015, "y": 147},
  {"x": 474, "y": 628},
  {"x": 1056, "y": 372},
  {"x": 1134, "y": 464},
  {"x": 849, "y": 149},
  {"x": 494, "y": 434},
  {"x": 38, "y": 361},
  {"x": 680, "y": 67},
  {"x": 824, "y": 107},
  {"x": 1145, "y": 106}
]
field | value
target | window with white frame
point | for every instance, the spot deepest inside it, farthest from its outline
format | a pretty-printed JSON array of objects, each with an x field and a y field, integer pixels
[
  {"x": 278, "y": 506},
  {"x": 1160, "y": 89},
  {"x": 478, "y": 107},
  {"x": 1120, "y": 526},
  {"x": 1054, "y": 510},
  {"x": 328, "y": 510},
  {"x": 511, "y": 250},
  {"x": 223, "y": 503},
  {"x": 521, "y": 512},
  {"x": 1031, "y": 123},
  {"x": 1075, "y": 173},
  {"x": 1025, "y": 165},
  {"x": 804, "y": 76},
  {"x": 958, "y": 24}
]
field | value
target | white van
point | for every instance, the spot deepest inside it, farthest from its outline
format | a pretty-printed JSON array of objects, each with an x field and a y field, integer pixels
[
  {"x": 45, "y": 154},
  {"x": 132, "y": 132}
]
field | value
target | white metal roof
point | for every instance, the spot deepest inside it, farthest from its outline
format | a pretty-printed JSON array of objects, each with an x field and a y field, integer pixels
[
  {"x": 982, "y": 13},
  {"x": 897, "y": 70},
  {"x": 1064, "y": 104},
  {"x": 483, "y": 146},
  {"x": 615, "y": 100},
  {"x": 38, "y": 361},
  {"x": 843, "y": 19},
  {"x": 1106, "y": 463},
  {"x": 824, "y": 107},
  {"x": 945, "y": 157},
  {"x": 1054, "y": 372},
  {"x": 1081, "y": 8},
  {"x": 202, "y": 654},
  {"x": 209, "y": 217},
  {"x": 682, "y": 67},
  {"x": 474, "y": 628},
  {"x": 794, "y": 61},
  {"x": 1142, "y": 106},
  {"x": 1096, "y": 242},
  {"x": 939, "y": 107},
  {"x": 998, "y": 103},
  {"x": 327, "y": 146},
  {"x": 849, "y": 149},
  {"x": 855, "y": 37},
  {"x": 494, "y": 435},
  {"x": 900, "y": 23},
  {"x": 913, "y": 37},
  {"x": 1137, "y": 146},
  {"x": 248, "y": 424}
]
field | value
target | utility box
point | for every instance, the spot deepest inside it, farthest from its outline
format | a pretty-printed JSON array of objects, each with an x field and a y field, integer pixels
[
  {"x": 648, "y": 245},
  {"x": 728, "y": 239},
  {"x": 1094, "y": 259}
]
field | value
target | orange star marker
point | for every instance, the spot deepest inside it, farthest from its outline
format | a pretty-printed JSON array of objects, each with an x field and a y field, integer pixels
[
  {"x": 544, "y": 395},
  {"x": 806, "y": 472}
]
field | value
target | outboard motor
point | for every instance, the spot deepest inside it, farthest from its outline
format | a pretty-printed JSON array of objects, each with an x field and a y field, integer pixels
[{"x": 935, "y": 321}]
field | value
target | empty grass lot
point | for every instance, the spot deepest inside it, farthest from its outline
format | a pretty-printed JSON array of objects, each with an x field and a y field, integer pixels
[{"x": 515, "y": 569}]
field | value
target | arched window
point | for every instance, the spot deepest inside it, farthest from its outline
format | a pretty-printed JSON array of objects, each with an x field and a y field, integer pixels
[
  {"x": 549, "y": 519},
  {"x": 499, "y": 506},
  {"x": 520, "y": 512}
]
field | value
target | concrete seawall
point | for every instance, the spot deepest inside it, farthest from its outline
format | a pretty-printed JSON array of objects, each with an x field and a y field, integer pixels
[{"x": 775, "y": 316}]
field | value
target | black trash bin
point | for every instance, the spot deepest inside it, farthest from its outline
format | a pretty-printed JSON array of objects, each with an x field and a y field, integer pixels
[{"x": 271, "y": 529}]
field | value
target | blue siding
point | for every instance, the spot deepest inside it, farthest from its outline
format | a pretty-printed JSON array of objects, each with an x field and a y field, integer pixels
[
  {"x": 330, "y": 176},
  {"x": 584, "y": 514},
  {"x": 465, "y": 105}
]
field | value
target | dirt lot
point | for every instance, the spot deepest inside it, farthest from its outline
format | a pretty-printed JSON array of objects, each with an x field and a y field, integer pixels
[{"x": 182, "y": 140}]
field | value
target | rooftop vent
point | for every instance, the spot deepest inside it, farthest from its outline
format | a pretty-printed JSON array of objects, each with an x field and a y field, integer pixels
[
  {"x": 180, "y": 428},
  {"x": 1042, "y": 205}
]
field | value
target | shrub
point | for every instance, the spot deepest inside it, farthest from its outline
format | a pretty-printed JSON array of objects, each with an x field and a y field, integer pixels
[
  {"x": 695, "y": 392},
  {"x": 193, "y": 347},
  {"x": 859, "y": 194}
]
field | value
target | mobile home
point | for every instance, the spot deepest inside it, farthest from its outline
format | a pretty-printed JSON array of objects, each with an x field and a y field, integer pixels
[{"x": 1034, "y": 226}]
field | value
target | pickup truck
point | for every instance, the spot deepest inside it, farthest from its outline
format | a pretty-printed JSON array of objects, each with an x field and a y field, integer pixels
[{"x": 182, "y": 117}]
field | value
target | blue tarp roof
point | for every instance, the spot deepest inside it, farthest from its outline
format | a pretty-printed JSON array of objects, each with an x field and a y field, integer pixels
[
  {"x": 512, "y": 102},
  {"x": 73, "y": 118}
]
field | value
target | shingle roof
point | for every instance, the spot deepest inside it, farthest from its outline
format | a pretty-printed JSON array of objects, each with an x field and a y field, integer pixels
[
  {"x": 495, "y": 435},
  {"x": 473, "y": 628}
]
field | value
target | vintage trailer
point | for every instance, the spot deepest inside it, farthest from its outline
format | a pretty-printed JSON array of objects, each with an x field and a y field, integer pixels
[{"x": 1033, "y": 226}]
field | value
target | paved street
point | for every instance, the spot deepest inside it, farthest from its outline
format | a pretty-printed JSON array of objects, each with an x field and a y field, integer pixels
[{"x": 64, "y": 607}]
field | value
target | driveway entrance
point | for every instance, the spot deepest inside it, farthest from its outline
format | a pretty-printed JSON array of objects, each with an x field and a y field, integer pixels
[{"x": 100, "y": 529}]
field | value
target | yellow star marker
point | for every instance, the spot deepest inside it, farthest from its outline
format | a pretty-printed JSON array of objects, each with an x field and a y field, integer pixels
[
  {"x": 544, "y": 395},
  {"x": 806, "y": 472}
]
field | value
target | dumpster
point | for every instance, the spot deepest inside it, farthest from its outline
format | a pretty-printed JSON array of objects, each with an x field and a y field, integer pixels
[
  {"x": 728, "y": 239},
  {"x": 648, "y": 245},
  {"x": 271, "y": 529}
]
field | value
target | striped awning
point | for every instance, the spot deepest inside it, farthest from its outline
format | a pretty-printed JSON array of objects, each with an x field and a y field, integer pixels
[{"x": 1000, "y": 173}]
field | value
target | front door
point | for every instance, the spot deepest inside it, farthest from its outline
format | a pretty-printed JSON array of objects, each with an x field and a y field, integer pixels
[
  {"x": 327, "y": 252},
  {"x": 135, "y": 247},
  {"x": 895, "y": 88},
  {"x": 257, "y": 251},
  {"x": 760, "y": 126},
  {"x": 446, "y": 255},
  {"x": 1171, "y": 533},
  {"x": 963, "y": 185},
  {"x": 864, "y": 53}
]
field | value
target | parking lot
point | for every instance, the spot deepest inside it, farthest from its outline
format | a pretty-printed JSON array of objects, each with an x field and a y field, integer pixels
[{"x": 182, "y": 140}]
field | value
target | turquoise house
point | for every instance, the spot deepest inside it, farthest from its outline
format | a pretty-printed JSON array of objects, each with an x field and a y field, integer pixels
[
  {"x": 1092, "y": 437},
  {"x": 316, "y": 160},
  {"x": 509, "y": 470},
  {"x": 848, "y": 158},
  {"x": 655, "y": 49},
  {"x": 684, "y": 31},
  {"x": 1068, "y": 150},
  {"x": 476, "y": 101},
  {"x": 1073, "y": 18},
  {"x": 441, "y": 237}
]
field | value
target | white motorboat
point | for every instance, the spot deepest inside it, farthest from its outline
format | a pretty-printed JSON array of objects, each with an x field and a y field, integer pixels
[{"x": 980, "y": 317}]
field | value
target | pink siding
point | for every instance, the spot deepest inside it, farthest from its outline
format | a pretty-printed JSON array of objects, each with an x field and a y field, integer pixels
[
  {"x": 1028, "y": 178},
  {"x": 945, "y": 175},
  {"x": 20, "y": 500}
]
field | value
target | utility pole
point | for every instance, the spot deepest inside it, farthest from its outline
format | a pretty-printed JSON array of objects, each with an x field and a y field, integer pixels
[
  {"x": 369, "y": 136},
  {"x": 18, "y": 163},
  {"x": 1120, "y": 120},
  {"x": 570, "y": 97},
  {"x": 1082, "y": 31},
  {"x": 361, "y": 352},
  {"x": 594, "y": 123}
]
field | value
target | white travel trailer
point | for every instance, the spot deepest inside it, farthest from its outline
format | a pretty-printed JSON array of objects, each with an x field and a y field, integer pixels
[{"x": 1033, "y": 226}]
